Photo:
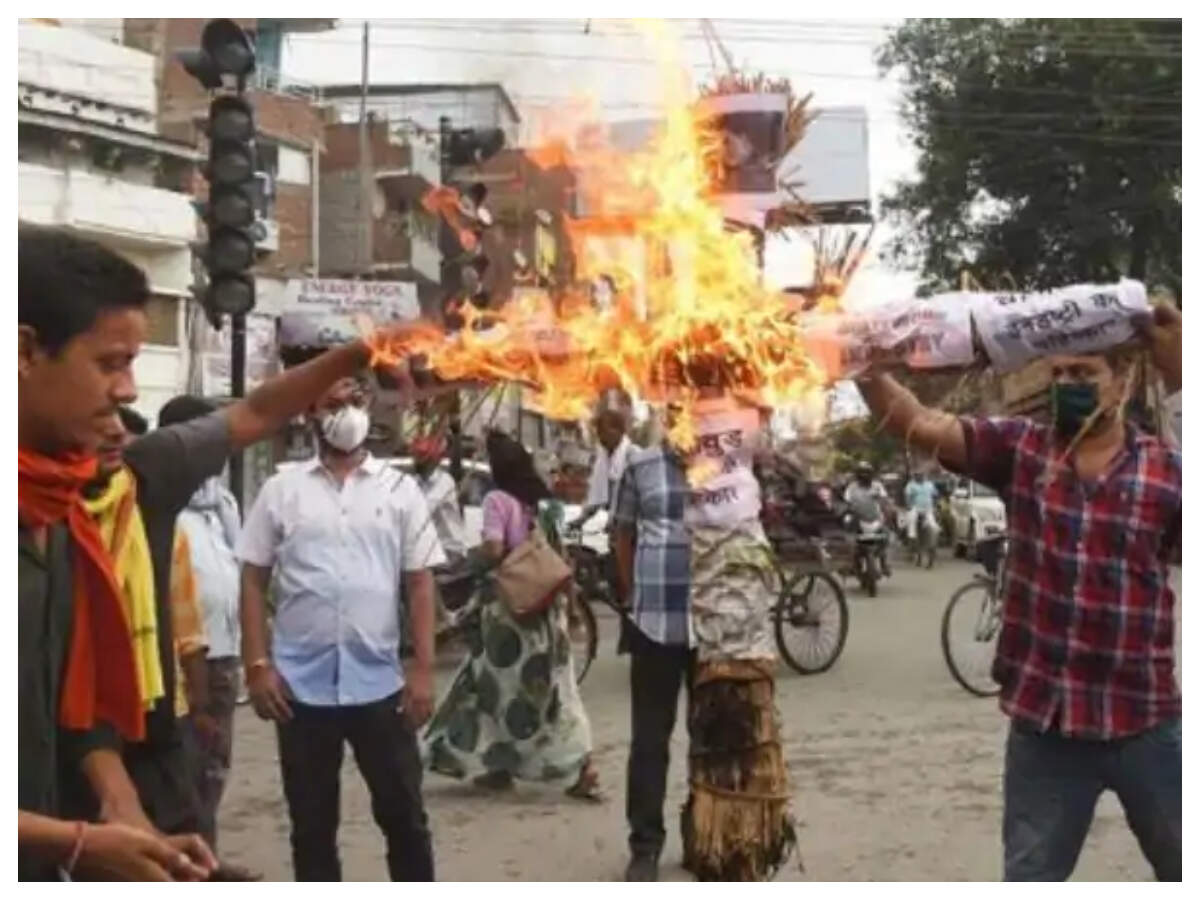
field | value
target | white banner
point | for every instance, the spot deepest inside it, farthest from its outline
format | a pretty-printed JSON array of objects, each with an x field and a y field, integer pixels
[
  {"x": 921, "y": 334},
  {"x": 1084, "y": 318},
  {"x": 322, "y": 311}
]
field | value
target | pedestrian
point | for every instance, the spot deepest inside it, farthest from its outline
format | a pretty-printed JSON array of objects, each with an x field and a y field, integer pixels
[
  {"x": 211, "y": 523},
  {"x": 111, "y": 500},
  {"x": 513, "y": 709},
  {"x": 441, "y": 495},
  {"x": 611, "y": 423},
  {"x": 919, "y": 496},
  {"x": 80, "y": 323},
  {"x": 1086, "y": 654},
  {"x": 652, "y": 549},
  {"x": 341, "y": 534}
]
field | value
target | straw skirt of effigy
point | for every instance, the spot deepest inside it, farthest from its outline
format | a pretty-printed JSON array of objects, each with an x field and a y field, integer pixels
[{"x": 737, "y": 823}]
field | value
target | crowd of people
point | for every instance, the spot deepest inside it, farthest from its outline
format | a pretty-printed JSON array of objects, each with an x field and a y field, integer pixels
[{"x": 144, "y": 601}]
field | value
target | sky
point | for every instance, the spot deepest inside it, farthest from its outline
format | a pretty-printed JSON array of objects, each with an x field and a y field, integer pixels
[{"x": 543, "y": 62}]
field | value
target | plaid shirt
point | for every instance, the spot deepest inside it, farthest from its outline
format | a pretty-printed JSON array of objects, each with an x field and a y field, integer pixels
[
  {"x": 1088, "y": 640},
  {"x": 652, "y": 499}
]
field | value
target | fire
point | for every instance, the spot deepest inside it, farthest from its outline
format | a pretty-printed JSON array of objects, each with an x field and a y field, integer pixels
[{"x": 690, "y": 311}]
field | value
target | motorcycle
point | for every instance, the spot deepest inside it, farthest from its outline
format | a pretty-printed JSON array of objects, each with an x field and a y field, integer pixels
[{"x": 869, "y": 560}]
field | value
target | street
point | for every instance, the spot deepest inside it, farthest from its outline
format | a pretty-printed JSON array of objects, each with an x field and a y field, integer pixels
[{"x": 896, "y": 773}]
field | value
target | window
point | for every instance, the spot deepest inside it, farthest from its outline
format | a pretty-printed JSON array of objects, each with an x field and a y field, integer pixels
[{"x": 162, "y": 315}]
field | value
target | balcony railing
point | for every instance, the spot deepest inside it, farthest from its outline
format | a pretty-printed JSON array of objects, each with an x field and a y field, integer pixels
[{"x": 267, "y": 78}]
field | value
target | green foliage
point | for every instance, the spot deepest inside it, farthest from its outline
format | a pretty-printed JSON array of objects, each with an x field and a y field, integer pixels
[{"x": 1049, "y": 150}]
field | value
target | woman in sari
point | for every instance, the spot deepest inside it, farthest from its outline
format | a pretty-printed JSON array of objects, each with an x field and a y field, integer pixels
[{"x": 513, "y": 709}]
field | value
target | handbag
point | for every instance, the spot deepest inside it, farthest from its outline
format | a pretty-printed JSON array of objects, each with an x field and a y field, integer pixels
[{"x": 529, "y": 578}]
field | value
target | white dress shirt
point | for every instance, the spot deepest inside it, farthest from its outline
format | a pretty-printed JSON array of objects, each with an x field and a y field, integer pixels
[
  {"x": 338, "y": 555},
  {"x": 606, "y": 474},
  {"x": 211, "y": 522},
  {"x": 442, "y": 498}
]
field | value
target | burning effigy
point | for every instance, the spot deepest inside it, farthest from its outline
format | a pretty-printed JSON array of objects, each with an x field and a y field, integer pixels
[{"x": 689, "y": 325}]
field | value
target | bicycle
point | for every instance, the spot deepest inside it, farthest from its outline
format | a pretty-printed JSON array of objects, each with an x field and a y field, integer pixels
[
  {"x": 977, "y": 605},
  {"x": 812, "y": 610}
]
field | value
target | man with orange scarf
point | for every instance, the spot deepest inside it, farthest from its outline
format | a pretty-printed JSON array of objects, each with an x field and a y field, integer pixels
[{"x": 81, "y": 322}]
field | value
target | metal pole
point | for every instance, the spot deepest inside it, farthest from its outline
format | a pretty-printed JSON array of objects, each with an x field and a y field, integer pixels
[
  {"x": 364, "y": 154},
  {"x": 315, "y": 174},
  {"x": 237, "y": 378}
]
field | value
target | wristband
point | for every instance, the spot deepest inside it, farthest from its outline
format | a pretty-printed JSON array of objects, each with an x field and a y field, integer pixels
[{"x": 76, "y": 849}]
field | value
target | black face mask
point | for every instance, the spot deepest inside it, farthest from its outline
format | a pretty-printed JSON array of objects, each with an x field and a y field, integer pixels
[{"x": 1072, "y": 404}]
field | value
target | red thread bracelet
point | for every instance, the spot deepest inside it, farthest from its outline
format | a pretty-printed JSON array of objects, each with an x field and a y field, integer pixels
[{"x": 77, "y": 849}]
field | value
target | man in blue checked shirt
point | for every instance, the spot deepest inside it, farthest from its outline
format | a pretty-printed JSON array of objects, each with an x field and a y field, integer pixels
[{"x": 653, "y": 555}]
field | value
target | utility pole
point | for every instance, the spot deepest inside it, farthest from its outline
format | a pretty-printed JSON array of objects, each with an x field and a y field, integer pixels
[{"x": 365, "y": 165}]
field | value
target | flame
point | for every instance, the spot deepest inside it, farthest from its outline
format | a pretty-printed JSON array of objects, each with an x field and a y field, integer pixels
[{"x": 690, "y": 311}]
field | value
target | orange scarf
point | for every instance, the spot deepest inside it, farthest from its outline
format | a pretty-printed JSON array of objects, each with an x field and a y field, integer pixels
[{"x": 100, "y": 680}]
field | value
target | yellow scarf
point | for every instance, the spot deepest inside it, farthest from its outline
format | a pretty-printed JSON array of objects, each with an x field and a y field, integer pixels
[{"x": 120, "y": 522}]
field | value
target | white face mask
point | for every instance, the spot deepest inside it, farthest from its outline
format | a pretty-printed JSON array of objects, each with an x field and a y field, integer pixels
[{"x": 346, "y": 429}]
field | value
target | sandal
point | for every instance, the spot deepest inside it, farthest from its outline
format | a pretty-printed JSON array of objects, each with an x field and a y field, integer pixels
[{"x": 587, "y": 787}]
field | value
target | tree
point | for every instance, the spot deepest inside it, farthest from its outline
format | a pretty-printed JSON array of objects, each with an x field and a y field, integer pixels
[{"x": 1049, "y": 150}]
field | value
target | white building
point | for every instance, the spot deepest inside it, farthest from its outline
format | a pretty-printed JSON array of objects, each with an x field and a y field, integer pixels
[{"x": 89, "y": 159}]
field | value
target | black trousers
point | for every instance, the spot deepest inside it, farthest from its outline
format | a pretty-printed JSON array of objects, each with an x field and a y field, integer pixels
[
  {"x": 656, "y": 674},
  {"x": 311, "y": 748}
]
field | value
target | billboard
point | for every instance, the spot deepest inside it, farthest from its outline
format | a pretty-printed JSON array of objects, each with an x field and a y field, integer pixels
[
  {"x": 829, "y": 167},
  {"x": 321, "y": 312}
]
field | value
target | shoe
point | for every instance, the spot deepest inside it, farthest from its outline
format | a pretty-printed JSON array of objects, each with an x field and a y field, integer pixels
[{"x": 642, "y": 867}]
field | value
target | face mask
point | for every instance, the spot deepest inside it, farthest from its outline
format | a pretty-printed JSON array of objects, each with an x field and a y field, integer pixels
[
  {"x": 1072, "y": 404},
  {"x": 346, "y": 429}
]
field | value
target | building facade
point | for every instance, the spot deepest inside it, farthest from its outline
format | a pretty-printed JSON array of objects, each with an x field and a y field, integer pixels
[{"x": 91, "y": 159}]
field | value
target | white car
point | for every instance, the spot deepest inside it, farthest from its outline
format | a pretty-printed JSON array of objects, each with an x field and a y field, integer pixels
[{"x": 976, "y": 513}]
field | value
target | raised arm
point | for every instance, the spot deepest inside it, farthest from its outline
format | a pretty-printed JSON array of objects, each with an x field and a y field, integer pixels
[
  {"x": 278, "y": 400},
  {"x": 901, "y": 413}
]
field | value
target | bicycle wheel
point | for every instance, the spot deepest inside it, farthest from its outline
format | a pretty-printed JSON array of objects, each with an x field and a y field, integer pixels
[
  {"x": 970, "y": 627},
  {"x": 581, "y": 628},
  {"x": 811, "y": 622}
]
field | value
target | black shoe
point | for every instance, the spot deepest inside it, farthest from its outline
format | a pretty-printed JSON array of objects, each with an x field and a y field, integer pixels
[{"x": 642, "y": 867}]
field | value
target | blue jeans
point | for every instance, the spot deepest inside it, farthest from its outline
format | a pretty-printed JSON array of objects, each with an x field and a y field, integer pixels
[{"x": 1052, "y": 783}]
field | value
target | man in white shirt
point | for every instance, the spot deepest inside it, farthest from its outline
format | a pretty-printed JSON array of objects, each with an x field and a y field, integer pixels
[
  {"x": 341, "y": 533},
  {"x": 613, "y": 414},
  {"x": 211, "y": 521},
  {"x": 441, "y": 495},
  {"x": 919, "y": 496}
]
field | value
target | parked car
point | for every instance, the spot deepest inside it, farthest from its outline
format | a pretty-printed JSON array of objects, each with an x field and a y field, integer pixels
[{"x": 976, "y": 513}]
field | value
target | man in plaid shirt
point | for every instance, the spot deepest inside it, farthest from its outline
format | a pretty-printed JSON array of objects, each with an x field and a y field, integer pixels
[
  {"x": 653, "y": 555},
  {"x": 1086, "y": 655}
]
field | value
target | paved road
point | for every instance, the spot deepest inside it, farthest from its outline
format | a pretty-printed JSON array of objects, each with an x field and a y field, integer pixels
[{"x": 896, "y": 773}]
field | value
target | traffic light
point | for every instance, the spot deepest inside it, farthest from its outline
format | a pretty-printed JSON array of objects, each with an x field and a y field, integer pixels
[
  {"x": 232, "y": 204},
  {"x": 222, "y": 64},
  {"x": 225, "y": 50}
]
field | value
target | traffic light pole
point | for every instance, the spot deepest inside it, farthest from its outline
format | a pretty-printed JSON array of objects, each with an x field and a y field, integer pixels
[{"x": 237, "y": 387}]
